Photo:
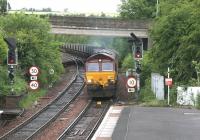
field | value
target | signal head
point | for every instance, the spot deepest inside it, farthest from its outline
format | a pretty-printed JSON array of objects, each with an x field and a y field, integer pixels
[
  {"x": 138, "y": 52},
  {"x": 11, "y": 43}
]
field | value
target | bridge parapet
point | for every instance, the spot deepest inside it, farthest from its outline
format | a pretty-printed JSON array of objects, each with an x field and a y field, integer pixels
[{"x": 99, "y": 22}]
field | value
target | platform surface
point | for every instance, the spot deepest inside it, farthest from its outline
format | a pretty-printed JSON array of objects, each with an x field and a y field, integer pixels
[
  {"x": 108, "y": 124},
  {"x": 154, "y": 123}
]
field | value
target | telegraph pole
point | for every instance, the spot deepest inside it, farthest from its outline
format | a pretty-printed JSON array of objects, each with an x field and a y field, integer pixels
[{"x": 168, "y": 87}]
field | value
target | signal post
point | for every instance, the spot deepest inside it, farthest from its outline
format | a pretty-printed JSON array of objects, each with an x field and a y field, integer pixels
[
  {"x": 137, "y": 50},
  {"x": 11, "y": 60}
]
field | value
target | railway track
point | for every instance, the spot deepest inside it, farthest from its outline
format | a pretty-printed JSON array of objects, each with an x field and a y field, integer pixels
[
  {"x": 44, "y": 117},
  {"x": 86, "y": 123}
]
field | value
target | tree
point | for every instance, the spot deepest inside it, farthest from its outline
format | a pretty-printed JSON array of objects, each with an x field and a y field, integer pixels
[
  {"x": 175, "y": 35},
  {"x": 137, "y": 9},
  {"x": 46, "y": 10},
  {"x": 3, "y": 51},
  {"x": 3, "y": 6},
  {"x": 128, "y": 62},
  {"x": 35, "y": 45}
]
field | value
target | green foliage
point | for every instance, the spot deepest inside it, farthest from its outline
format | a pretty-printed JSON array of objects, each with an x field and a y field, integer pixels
[
  {"x": 175, "y": 35},
  {"x": 121, "y": 45},
  {"x": 35, "y": 45},
  {"x": 5, "y": 88},
  {"x": 173, "y": 95},
  {"x": 196, "y": 66},
  {"x": 3, "y": 6},
  {"x": 146, "y": 94},
  {"x": 3, "y": 51},
  {"x": 155, "y": 103},
  {"x": 137, "y": 9},
  {"x": 146, "y": 67},
  {"x": 198, "y": 101},
  {"x": 31, "y": 98},
  {"x": 71, "y": 39},
  {"x": 147, "y": 97},
  {"x": 128, "y": 62}
]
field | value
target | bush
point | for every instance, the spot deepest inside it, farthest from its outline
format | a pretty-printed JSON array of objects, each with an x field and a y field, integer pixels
[
  {"x": 5, "y": 87},
  {"x": 31, "y": 98},
  {"x": 156, "y": 103},
  {"x": 128, "y": 62},
  {"x": 198, "y": 101},
  {"x": 146, "y": 94},
  {"x": 148, "y": 98},
  {"x": 173, "y": 95},
  {"x": 34, "y": 44}
]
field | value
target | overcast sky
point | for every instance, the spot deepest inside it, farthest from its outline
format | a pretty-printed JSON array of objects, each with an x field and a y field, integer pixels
[{"x": 80, "y": 6}]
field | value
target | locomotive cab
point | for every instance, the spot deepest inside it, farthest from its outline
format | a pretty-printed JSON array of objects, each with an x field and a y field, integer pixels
[{"x": 101, "y": 75}]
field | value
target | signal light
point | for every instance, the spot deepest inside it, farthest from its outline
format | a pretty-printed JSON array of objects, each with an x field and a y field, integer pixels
[
  {"x": 12, "y": 59},
  {"x": 138, "y": 52}
]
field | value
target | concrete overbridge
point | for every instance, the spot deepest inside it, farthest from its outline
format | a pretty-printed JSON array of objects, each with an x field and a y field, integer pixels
[{"x": 93, "y": 26}]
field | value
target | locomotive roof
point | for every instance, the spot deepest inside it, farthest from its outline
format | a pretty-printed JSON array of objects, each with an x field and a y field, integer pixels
[{"x": 105, "y": 52}]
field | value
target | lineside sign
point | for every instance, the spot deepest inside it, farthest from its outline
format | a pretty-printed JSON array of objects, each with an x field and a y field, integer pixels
[
  {"x": 131, "y": 84},
  {"x": 168, "y": 81},
  {"x": 34, "y": 71}
]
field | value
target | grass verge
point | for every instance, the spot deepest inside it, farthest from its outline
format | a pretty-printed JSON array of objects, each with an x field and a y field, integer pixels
[{"x": 31, "y": 97}]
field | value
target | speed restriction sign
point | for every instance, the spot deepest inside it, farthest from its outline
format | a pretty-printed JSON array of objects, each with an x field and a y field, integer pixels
[
  {"x": 131, "y": 82},
  {"x": 34, "y": 71},
  {"x": 34, "y": 85}
]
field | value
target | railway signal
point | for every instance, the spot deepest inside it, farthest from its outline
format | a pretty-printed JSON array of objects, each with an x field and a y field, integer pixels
[
  {"x": 138, "y": 67},
  {"x": 138, "y": 52},
  {"x": 11, "y": 74},
  {"x": 138, "y": 47},
  {"x": 11, "y": 59},
  {"x": 12, "y": 54}
]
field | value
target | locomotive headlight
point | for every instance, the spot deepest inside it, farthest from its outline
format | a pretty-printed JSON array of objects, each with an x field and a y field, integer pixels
[
  {"x": 89, "y": 81},
  {"x": 111, "y": 80}
]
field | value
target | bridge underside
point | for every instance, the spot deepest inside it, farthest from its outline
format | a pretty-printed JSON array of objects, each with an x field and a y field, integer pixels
[{"x": 142, "y": 33}]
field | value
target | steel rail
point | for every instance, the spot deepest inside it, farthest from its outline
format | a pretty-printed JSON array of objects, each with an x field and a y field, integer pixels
[
  {"x": 49, "y": 106},
  {"x": 98, "y": 123},
  {"x": 67, "y": 131},
  {"x": 75, "y": 121}
]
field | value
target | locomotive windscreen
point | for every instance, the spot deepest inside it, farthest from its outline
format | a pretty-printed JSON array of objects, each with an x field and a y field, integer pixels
[
  {"x": 92, "y": 67},
  {"x": 108, "y": 66}
]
